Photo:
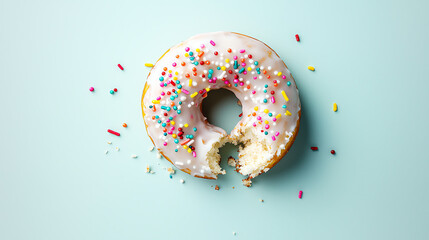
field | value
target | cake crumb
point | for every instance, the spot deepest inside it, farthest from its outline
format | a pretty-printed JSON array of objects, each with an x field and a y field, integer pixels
[
  {"x": 233, "y": 187},
  {"x": 147, "y": 169},
  {"x": 238, "y": 102},
  {"x": 117, "y": 149},
  {"x": 171, "y": 170},
  {"x": 234, "y": 233},
  {"x": 247, "y": 182},
  {"x": 134, "y": 156},
  {"x": 261, "y": 200},
  {"x": 151, "y": 149},
  {"x": 231, "y": 161},
  {"x": 158, "y": 155},
  {"x": 182, "y": 181},
  {"x": 106, "y": 152},
  {"x": 216, "y": 187},
  {"x": 109, "y": 142}
]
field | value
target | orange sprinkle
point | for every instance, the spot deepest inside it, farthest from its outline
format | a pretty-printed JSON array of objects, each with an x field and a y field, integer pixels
[
  {"x": 248, "y": 86},
  {"x": 194, "y": 69},
  {"x": 187, "y": 75},
  {"x": 124, "y": 125},
  {"x": 275, "y": 84},
  {"x": 242, "y": 60},
  {"x": 183, "y": 63},
  {"x": 229, "y": 50},
  {"x": 229, "y": 85},
  {"x": 264, "y": 72},
  {"x": 165, "y": 69},
  {"x": 177, "y": 56},
  {"x": 254, "y": 114},
  {"x": 207, "y": 62},
  {"x": 200, "y": 53},
  {"x": 164, "y": 129},
  {"x": 195, "y": 74},
  {"x": 153, "y": 117},
  {"x": 268, "y": 76},
  {"x": 172, "y": 104}
]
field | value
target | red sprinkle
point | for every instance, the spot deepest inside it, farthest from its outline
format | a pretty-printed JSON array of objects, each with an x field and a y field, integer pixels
[
  {"x": 115, "y": 89},
  {"x": 113, "y": 132},
  {"x": 120, "y": 67},
  {"x": 241, "y": 114},
  {"x": 297, "y": 37},
  {"x": 314, "y": 148},
  {"x": 300, "y": 194},
  {"x": 332, "y": 152}
]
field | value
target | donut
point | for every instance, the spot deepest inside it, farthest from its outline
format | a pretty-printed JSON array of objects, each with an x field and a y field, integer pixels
[{"x": 185, "y": 75}]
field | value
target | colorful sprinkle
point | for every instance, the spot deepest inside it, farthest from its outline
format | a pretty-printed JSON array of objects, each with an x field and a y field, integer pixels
[
  {"x": 148, "y": 64},
  {"x": 300, "y": 194},
  {"x": 297, "y": 37},
  {"x": 91, "y": 89},
  {"x": 113, "y": 132},
  {"x": 314, "y": 148},
  {"x": 311, "y": 68},
  {"x": 120, "y": 67},
  {"x": 335, "y": 108}
]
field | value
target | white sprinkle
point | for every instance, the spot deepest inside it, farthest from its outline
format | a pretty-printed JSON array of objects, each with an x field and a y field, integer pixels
[
  {"x": 106, "y": 152},
  {"x": 151, "y": 149},
  {"x": 109, "y": 142},
  {"x": 182, "y": 181},
  {"x": 134, "y": 156},
  {"x": 234, "y": 233},
  {"x": 158, "y": 155}
]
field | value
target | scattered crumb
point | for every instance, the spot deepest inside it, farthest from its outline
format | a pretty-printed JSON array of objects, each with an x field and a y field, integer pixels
[
  {"x": 171, "y": 170},
  {"x": 247, "y": 182},
  {"x": 158, "y": 155},
  {"x": 231, "y": 161},
  {"x": 109, "y": 142},
  {"x": 216, "y": 187},
  {"x": 147, "y": 169},
  {"x": 151, "y": 148},
  {"x": 233, "y": 187},
  {"x": 238, "y": 103},
  {"x": 134, "y": 156},
  {"x": 106, "y": 152},
  {"x": 182, "y": 181},
  {"x": 261, "y": 200},
  {"x": 117, "y": 149},
  {"x": 152, "y": 172},
  {"x": 234, "y": 233}
]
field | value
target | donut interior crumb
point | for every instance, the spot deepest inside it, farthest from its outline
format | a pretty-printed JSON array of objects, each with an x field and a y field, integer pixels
[{"x": 254, "y": 154}]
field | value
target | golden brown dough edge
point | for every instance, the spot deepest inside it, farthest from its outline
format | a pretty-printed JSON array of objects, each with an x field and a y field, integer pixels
[{"x": 271, "y": 163}]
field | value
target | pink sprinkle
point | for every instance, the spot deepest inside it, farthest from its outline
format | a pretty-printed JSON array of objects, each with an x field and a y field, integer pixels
[
  {"x": 274, "y": 138},
  {"x": 277, "y": 134},
  {"x": 300, "y": 194},
  {"x": 185, "y": 91},
  {"x": 235, "y": 80},
  {"x": 194, "y": 154},
  {"x": 113, "y": 132},
  {"x": 226, "y": 82},
  {"x": 210, "y": 81},
  {"x": 172, "y": 128},
  {"x": 242, "y": 51},
  {"x": 202, "y": 46},
  {"x": 174, "y": 64},
  {"x": 214, "y": 79},
  {"x": 165, "y": 143},
  {"x": 244, "y": 72},
  {"x": 253, "y": 92},
  {"x": 273, "y": 100},
  {"x": 170, "y": 132},
  {"x": 212, "y": 43},
  {"x": 284, "y": 77},
  {"x": 255, "y": 78},
  {"x": 274, "y": 119},
  {"x": 91, "y": 89},
  {"x": 254, "y": 124},
  {"x": 161, "y": 84},
  {"x": 162, "y": 93},
  {"x": 258, "y": 117},
  {"x": 158, "y": 98},
  {"x": 187, "y": 49},
  {"x": 241, "y": 83},
  {"x": 235, "y": 57},
  {"x": 267, "y": 126},
  {"x": 243, "y": 64},
  {"x": 170, "y": 75}
]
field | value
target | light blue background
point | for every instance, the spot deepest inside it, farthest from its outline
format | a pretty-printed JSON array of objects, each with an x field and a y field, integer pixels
[{"x": 371, "y": 57}]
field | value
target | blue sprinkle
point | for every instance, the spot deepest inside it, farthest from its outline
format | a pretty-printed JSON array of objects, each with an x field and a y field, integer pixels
[
  {"x": 256, "y": 63},
  {"x": 163, "y": 124},
  {"x": 175, "y": 107},
  {"x": 265, "y": 90},
  {"x": 177, "y": 81},
  {"x": 156, "y": 116},
  {"x": 191, "y": 53},
  {"x": 270, "y": 114},
  {"x": 210, "y": 70},
  {"x": 241, "y": 70},
  {"x": 192, "y": 58},
  {"x": 159, "y": 121},
  {"x": 176, "y": 141},
  {"x": 164, "y": 107},
  {"x": 236, "y": 85},
  {"x": 284, "y": 106},
  {"x": 178, "y": 111},
  {"x": 195, "y": 63},
  {"x": 171, "y": 118},
  {"x": 266, "y": 133},
  {"x": 288, "y": 83},
  {"x": 218, "y": 68},
  {"x": 195, "y": 129},
  {"x": 168, "y": 108},
  {"x": 165, "y": 134},
  {"x": 161, "y": 79},
  {"x": 176, "y": 150},
  {"x": 179, "y": 86},
  {"x": 172, "y": 98},
  {"x": 150, "y": 106},
  {"x": 165, "y": 84},
  {"x": 180, "y": 102},
  {"x": 265, "y": 100},
  {"x": 266, "y": 85},
  {"x": 171, "y": 176}
]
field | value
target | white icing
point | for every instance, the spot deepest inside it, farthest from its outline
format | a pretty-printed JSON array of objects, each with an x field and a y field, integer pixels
[{"x": 206, "y": 134}]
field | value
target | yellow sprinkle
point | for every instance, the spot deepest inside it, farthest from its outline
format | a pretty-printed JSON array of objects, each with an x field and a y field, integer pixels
[
  {"x": 288, "y": 113},
  {"x": 311, "y": 68},
  {"x": 249, "y": 69},
  {"x": 278, "y": 116},
  {"x": 186, "y": 125},
  {"x": 335, "y": 107},
  {"x": 223, "y": 68},
  {"x": 189, "y": 150},
  {"x": 198, "y": 50},
  {"x": 285, "y": 96},
  {"x": 186, "y": 54},
  {"x": 148, "y": 64},
  {"x": 172, "y": 122},
  {"x": 169, "y": 71},
  {"x": 279, "y": 74},
  {"x": 266, "y": 111},
  {"x": 266, "y": 122},
  {"x": 176, "y": 73},
  {"x": 208, "y": 89},
  {"x": 174, "y": 135},
  {"x": 194, "y": 94},
  {"x": 179, "y": 90},
  {"x": 227, "y": 60},
  {"x": 190, "y": 82},
  {"x": 256, "y": 108},
  {"x": 174, "y": 78},
  {"x": 185, "y": 146},
  {"x": 155, "y": 102}
]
